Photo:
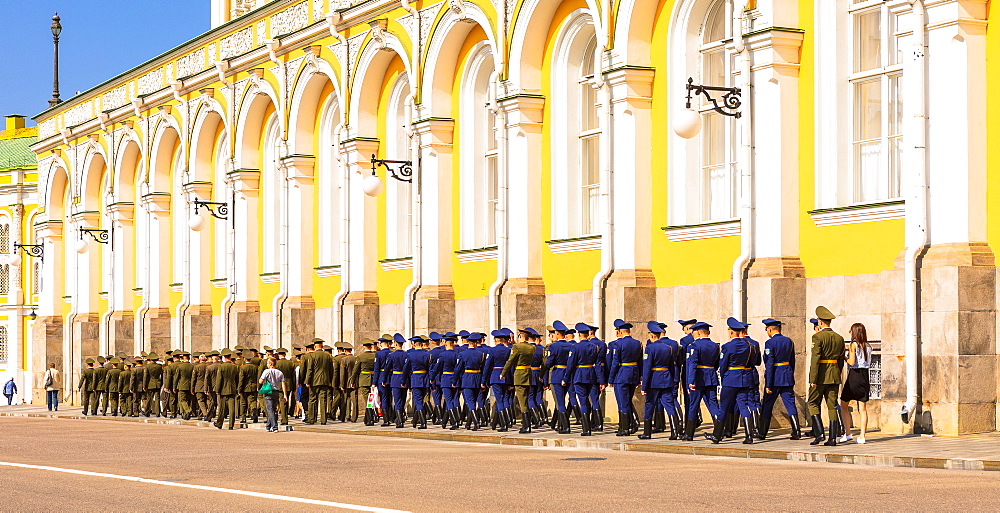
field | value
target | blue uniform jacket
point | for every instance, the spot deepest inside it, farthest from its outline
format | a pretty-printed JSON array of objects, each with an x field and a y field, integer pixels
[
  {"x": 779, "y": 362},
  {"x": 755, "y": 372},
  {"x": 496, "y": 357},
  {"x": 380, "y": 365},
  {"x": 625, "y": 354},
  {"x": 469, "y": 369},
  {"x": 435, "y": 354},
  {"x": 739, "y": 357},
  {"x": 582, "y": 366},
  {"x": 702, "y": 363},
  {"x": 602, "y": 357},
  {"x": 660, "y": 364},
  {"x": 557, "y": 361},
  {"x": 420, "y": 364},
  {"x": 536, "y": 365},
  {"x": 685, "y": 342},
  {"x": 444, "y": 368},
  {"x": 397, "y": 370}
]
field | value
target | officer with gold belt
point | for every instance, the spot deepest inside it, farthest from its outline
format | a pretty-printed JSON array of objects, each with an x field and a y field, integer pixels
[
  {"x": 824, "y": 376},
  {"x": 519, "y": 365}
]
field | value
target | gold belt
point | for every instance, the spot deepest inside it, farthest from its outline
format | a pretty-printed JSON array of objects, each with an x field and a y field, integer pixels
[
  {"x": 522, "y": 367},
  {"x": 704, "y": 367},
  {"x": 497, "y": 368},
  {"x": 661, "y": 368},
  {"x": 558, "y": 366},
  {"x": 629, "y": 364},
  {"x": 536, "y": 368},
  {"x": 397, "y": 372},
  {"x": 448, "y": 372},
  {"x": 828, "y": 361},
  {"x": 473, "y": 371},
  {"x": 419, "y": 372},
  {"x": 585, "y": 366},
  {"x": 739, "y": 368},
  {"x": 366, "y": 372},
  {"x": 779, "y": 364}
]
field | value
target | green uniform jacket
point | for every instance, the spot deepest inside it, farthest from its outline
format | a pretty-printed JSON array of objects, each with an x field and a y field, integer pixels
[
  {"x": 336, "y": 380},
  {"x": 113, "y": 378},
  {"x": 248, "y": 378},
  {"x": 827, "y": 357},
  {"x": 183, "y": 373},
  {"x": 227, "y": 378},
  {"x": 100, "y": 379},
  {"x": 199, "y": 378},
  {"x": 319, "y": 369},
  {"x": 520, "y": 358},
  {"x": 138, "y": 378},
  {"x": 212, "y": 376},
  {"x": 365, "y": 368},
  {"x": 168, "y": 375},
  {"x": 125, "y": 381},
  {"x": 87, "y": 380},
  {"x": 349, "y": 371},
  {"x": 153, "y": 378},
  {"x": 287, "y": 368}
]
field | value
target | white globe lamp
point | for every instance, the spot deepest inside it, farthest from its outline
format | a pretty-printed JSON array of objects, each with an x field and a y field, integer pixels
[
  {"x": 196, "y": 222},
  {"x": 82, "y": 246},
  {"x": 372, "y": 185},
  {"x": 15, "y": 259},
  {"x": 687, "y": 123}
]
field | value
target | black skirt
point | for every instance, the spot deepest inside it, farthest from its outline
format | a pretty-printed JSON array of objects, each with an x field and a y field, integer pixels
[{"x": 857, "y": 387}]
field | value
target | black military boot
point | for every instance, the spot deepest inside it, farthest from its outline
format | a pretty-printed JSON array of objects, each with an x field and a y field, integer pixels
[
  {"x": 763, "y": 425},
  {"x": 545, "y": 414},
  {"x": 748, "y": 432},
  {"x": 756, "y": 419},
  {"x": 422, "y": 419},
  {"x": 689, "y": 428},
  {"x": 634, "y": 425},
  {"x": 577, "y": 415},
  {"x": 525, "y": 424},
  {"x": 597, "y": 419},
  {"x": 474, "y": 419},
  {"x": 796, "y": 431},
  {"x": 624, "y": 424},
  {"x": 647, "y": 429},
  {"x": 585, "y": 429},
  {"x": 500, "y": 417},
  {"x": 818, "y": 433},
  {"x": 834, "y": 429},
  {"x": 659, "y": 423},
  {"x": 565, "y": 426},
  {"x": 400, "y": 420},
  {"x": 716, "y": 436},
  {"x": 675, "y": 427}
]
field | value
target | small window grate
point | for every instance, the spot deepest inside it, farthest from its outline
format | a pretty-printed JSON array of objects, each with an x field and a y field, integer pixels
[{"x": 875, "y": 371}]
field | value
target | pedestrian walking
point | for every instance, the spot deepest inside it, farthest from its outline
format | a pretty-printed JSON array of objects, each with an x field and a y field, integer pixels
[
  {"x": 53, "y": 385},
  {"x": 272, "y": 387},
  {"x": 857, "y": 388},
  {"x": 824, "y": 376},
  {"x": 9, "y": 389}
]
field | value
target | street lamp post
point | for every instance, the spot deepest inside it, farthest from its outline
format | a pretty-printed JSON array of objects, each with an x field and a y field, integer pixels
[
  {"x": 372, "y": 185},
  {"x": 687, "y": 122},
  {"x": 56, "y": 30}
]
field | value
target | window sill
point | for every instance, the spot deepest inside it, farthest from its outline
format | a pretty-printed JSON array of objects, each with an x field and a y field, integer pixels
[
  {"x": 327, "y": 271},
  {"x": 220, "y": 283},
  {"x": 477, "y": 255},
  {"x": 711, "y": 230},
  {"x": 176, "y": 287},
  {"x": 397, "y": 264},
  {"x": 863, "y": 213},
  {"x": 270, "y": 277},
  {"x": 587, "y": 243}
]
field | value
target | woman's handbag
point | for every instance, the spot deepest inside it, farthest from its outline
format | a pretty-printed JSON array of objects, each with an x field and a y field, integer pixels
[
  {"x": 266, "y": 388},
  {"x": 48, "y": 379}
]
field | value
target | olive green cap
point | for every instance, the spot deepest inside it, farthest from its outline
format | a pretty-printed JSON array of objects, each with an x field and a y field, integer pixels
[
  {"x": 281, "y": 350},
  {"x": 317, "y": 341},
  {"x": 268, "y": 348},
  {"x": 367, "y": 342},
  {"x": 824, "y": 313},
  {"x": 89, "y": 360},
  {"x": 151, "y": 356}
]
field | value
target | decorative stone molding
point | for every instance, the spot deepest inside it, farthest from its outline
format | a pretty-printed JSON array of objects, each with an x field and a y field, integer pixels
[
  {"x": 576, "y": 244},
  {"x": 859, "y": 213},
  {"x": 151, "y": 82},
  {"x": 378, "y": 32},
  {"x": 777, "y": 267},
  {"x": 702, "y": 231},
  {"x": 237, "y": 43},
  {"x": 397, "y": 264},
  {"x": 122, "y": 214},
  {"x": 289, "y": 20},
  {"x": 477, "y": 255},
  {"x": 299, "y": 169},
  {"x": 270, "y": 277},
  {"x": 245, "y": 182},
  {"x": 157, "y": 203},
  {"x": 328, "y": 271}
]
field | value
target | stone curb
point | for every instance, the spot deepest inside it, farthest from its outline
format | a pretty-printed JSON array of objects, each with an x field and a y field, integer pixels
[{"x": 571, "y": 443}]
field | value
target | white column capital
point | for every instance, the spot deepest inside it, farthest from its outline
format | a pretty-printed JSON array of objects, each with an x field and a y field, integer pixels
[
  {"x": 51, "y": 231},
  {"x": 122, "y": 213},
  {"x": 156, "y": 203},
  {"x": 435, "y": 131},
  {"x": 631, "y": 82},
  {"x": 524, "y": 111},
  {"x": 198, "y": 190},
  {"x": 89, "y": 219},
  {"x": 245, "y": 182},
  {"x": 776, "y": 49},
  {"x": 299, "y": 169}
]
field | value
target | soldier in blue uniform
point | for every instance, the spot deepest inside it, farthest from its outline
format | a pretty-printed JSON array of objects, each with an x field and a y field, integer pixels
[
  {"x": 437, "y": 410},
  {"x": 779, "y": 379},
  {"x": 589, "y": 333},
  {"x": 381, "y": 366},
  {"x": 469, "y": 373},
  {"x": 583, "y": 373},
  {"x": 684, "y": 342},
  {"x": 624, "y": 354},
  {"x": 496, "y": 357},
  {"x": 420, "y": 363},
  {"x": 558, "y": 359},
  {"x": 660, "y": 373},
  {"x": 535, "y": 405},
  {"x": 444, "y": 372},
  {"x": 702, "y": 377},
  {"x": 395, "y": 376},
  {"x": 739, "y": 357}
]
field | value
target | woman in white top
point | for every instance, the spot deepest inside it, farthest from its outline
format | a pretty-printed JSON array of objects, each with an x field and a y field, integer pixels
[
  {"x": 276, "y": 381},
  {"x": 857, "y": 387},
  {"x": 53, "y": 384}
]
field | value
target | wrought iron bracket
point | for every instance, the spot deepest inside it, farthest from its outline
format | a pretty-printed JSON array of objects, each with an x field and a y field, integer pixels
[
  {"x": 218, "y": 210},
  {"x": 730, "y": 100},
  {"x": 98, "y": 235},
  {"x": 33, "y": 250},
  {"x": 405, "y": 172}
]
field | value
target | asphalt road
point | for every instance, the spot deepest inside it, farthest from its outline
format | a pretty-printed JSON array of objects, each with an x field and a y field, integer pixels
[{"x": 418, "y": 475}]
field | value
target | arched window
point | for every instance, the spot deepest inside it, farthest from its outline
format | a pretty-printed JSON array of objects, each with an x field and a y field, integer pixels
[
  {"x": 478, "y": 179},
  {"x": 398, "y": 199},
  {"x": 4, "y": 278},
  {"x": 329, "y": 187},
  {"x": 718, "y": 177},
  {"x": 3, "y": 344},
  {"x": 220, "y": 191},
  {"x": 576, "y": 132},
  {"x": 4, "y": 236},
  {"x": 272, "y": 187}
]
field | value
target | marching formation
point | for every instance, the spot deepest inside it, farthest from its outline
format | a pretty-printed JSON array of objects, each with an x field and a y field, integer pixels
[{"x": 464, "y": 379}]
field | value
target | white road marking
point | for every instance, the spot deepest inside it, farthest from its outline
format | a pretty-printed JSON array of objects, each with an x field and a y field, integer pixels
[{"x": 206, "y": 488}]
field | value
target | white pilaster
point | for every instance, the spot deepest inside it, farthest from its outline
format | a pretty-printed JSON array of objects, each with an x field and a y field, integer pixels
[
  {"x": 299, "y": 174},
  {"x": 524, "y": 184},
  {"x": 435, "y": 136},
  {"x": 362, "y": 234},
  {"x": 246, "y": 186},
  {"x": 157, "y": 286}
]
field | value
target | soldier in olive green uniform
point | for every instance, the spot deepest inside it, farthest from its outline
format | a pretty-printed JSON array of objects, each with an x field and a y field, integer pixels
[
  {"x": 199, "y": 385},
  {"x": 287, "y": 399},
  {"x": 318, "y": 376},
  {"x": 138, "y": 393},
  {"x": 349, "y": 372},
  {"x": 183, "y": 379},
  {"x": 167, "y": 395},
  {"x": 87, "y": 386},
  {"x": 336, "y": 387},
  {"x": 365, "y": 369},
  {"x": 226, "y": 386},
  {"x": 100, "y": 387},
  {"x": 125, "y": 388},
  {"x": 519, "y": 365},
  {"x": 248, "y": 389},
  {"x": 212, "y": 376},
  {"x": 824, "y": 376},
  {"x": 152, "y": 382},
  {"x": 112, "y": 385}
]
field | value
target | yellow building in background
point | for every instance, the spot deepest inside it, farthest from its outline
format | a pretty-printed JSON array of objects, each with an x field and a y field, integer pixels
[{"x": 221, "y": 193}]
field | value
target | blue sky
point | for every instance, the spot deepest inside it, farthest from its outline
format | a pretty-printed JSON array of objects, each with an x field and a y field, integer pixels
[{"x": 100, "y": 39}]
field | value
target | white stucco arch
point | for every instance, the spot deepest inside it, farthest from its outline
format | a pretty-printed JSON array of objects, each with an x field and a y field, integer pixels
[
  {"x": 442, "y": 57},
  {"x": 367, "y": 83},
  {"x": 531, "y": 29}
]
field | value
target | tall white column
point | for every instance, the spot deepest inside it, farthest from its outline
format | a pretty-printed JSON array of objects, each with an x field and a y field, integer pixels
[
  {"x": 120, "y": 326},
  {"x": 435, "y": 304},
  {"x": 156, "y": 320},
  {"x": 298, "y": 318},
  {"x": 244, "y": 324},
  {"x": 361, "y": 306}
]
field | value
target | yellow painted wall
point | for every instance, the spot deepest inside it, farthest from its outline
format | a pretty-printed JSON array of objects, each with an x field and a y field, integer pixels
[{"x": 993, "y": 128}]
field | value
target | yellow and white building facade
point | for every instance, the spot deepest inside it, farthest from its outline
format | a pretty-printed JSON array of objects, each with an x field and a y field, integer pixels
[{"x": 547, "y": 182}]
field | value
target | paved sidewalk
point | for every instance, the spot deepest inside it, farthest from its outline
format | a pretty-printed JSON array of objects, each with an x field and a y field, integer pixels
[{"x": 978, "y": 452}]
